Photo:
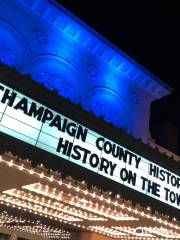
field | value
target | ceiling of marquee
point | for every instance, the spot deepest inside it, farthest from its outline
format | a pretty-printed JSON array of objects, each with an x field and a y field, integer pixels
[{"x": 34, "y": 202}]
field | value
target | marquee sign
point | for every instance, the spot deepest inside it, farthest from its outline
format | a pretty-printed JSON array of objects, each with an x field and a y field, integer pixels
[{"x": 29, "y": 121}]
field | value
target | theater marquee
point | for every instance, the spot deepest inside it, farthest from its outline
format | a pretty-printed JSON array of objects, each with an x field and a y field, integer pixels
[{"x": 31, "y": 122}]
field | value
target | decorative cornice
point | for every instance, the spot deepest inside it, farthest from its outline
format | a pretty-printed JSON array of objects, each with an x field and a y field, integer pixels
[{"x": 84, "y": 35}]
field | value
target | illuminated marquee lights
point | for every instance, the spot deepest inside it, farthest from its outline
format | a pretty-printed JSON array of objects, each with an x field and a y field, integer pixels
[
  {"x": 20, "y": 224},
  {"x": 17, "y": 199},
  {"x": 34, "y": 123}
]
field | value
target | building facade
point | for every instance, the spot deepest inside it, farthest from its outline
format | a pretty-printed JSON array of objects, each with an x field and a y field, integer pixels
[{"x": 77, "y": 160}]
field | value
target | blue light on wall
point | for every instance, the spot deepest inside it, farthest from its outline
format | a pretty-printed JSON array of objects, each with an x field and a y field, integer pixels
[
  {"x": 8, "y": 48},
  {"x": 42, "y": 39},
  {"x": 57, "y": 74}
]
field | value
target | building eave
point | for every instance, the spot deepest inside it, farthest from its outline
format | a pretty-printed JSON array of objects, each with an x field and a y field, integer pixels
[{"x": 89, "y": 38}]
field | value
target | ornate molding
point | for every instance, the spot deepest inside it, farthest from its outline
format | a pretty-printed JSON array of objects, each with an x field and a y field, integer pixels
[
  {"x": 41, "y": 37},
  {"x": 98, "y": 45},
  {"x": 106, "y": 103},
  {"x": 14, "y": 50},
  {"x": 57, "y": 73},
  {"x": 92, "y": 71},
  {"x": 7, "y": 55}
]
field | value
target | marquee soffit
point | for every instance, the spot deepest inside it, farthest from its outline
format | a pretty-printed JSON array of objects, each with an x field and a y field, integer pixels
[{"x": 71, "y": 203}]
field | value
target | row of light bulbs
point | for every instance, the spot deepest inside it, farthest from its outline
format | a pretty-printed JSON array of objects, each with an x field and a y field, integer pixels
[
  {"x": 94, "y": 195},
  {"x": 32, "y": 227},
  {"x": 81, "y": 202}
]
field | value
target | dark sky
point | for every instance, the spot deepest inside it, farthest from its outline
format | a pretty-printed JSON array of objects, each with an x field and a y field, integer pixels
[{"x": 148, "y": 31}]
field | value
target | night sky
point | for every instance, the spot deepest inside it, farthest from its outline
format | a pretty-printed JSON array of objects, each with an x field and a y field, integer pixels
[{"x": 148, "y": 31}]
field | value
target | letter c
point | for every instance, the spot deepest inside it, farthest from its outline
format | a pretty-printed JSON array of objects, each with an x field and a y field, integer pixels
[{"x": 98, "y": 145}]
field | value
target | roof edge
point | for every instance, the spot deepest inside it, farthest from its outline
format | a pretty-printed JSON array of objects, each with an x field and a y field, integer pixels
[{"x": 105, "y": 49}]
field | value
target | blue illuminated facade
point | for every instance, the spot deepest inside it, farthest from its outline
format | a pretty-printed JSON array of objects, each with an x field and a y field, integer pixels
[{"x": 42, "y": 39}]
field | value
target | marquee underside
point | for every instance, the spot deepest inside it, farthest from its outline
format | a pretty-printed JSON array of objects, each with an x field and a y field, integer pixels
[{"x": 45, "y": 205}]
